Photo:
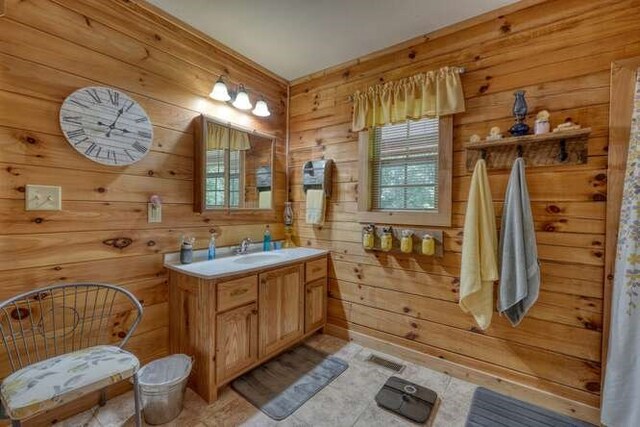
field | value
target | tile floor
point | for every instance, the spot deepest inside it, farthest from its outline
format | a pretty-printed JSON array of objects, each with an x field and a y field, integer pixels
[{"x": 347, "y": 401}]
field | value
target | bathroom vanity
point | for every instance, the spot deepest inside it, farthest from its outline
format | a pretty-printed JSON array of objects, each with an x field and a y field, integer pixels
[{"x": 231, "y": 314}]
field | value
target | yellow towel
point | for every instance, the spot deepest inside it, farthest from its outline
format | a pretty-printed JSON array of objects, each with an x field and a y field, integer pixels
[
  {"x": 264, "y": 200},
  {"x": 315, "y": 207},
  {"x": 479, "y": 250}
]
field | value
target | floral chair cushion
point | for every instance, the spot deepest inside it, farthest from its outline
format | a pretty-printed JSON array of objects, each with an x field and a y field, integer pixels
[{"x": 51, "y": 382}]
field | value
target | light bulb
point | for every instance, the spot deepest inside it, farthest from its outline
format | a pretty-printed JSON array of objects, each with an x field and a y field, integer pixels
[
  {"x": 242, "y": 99},
  {"x": 261, "y": 110},
  {"x": 220, "y": 92}
]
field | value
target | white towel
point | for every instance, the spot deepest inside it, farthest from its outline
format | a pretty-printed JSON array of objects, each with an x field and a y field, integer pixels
[
  {"x": 264, "y": 200},
  {"x": 520, "y": 271},
  {"x": 315, "y": 207},
  {"x": 479, "y": 267}
]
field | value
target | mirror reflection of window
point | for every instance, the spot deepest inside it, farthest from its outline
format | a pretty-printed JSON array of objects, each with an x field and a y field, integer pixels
[
  {"x": 238, "y": 168},
  {"x": 224, "y": 166}
]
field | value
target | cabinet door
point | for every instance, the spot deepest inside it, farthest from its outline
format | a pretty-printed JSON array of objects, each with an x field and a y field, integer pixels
[
  {"x": 281, "y": 302},
  {"x": 237, "y": 341},
  {"x": 315, "y": 304}
]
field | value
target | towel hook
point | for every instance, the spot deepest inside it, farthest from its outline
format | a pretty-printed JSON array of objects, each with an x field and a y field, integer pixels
[
  {"x": 483, "y": 154},
  {"x": 519, "y": 150},
  {"x": 563, "y": 155}
]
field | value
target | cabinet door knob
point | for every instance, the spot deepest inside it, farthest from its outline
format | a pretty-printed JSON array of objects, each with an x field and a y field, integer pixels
[{"x": 254, "y": 311}]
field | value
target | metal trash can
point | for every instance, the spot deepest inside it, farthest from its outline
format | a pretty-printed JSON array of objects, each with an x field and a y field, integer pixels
[{"x": 162, "y": 386}]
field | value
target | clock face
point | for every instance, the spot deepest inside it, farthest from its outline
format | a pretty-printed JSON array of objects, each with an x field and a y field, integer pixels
[{"x": 106, "y": 126}]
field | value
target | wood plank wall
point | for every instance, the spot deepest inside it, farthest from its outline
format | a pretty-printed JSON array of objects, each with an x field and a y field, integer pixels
[
  {"x": 560, "y": 52},
  {"x": 48, "y": 49}
]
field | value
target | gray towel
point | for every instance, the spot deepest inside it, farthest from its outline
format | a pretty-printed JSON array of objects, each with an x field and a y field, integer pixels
[{"x": 520, "y": 271}]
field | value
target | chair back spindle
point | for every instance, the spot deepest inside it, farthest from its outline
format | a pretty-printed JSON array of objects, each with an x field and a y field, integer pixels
[{"x": 63, "y": 318}]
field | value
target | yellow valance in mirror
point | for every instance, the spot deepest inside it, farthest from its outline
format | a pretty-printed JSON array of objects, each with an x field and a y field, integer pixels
[
  {"x": 431, "y": 94},
  {"x": 224, "y": 138}
]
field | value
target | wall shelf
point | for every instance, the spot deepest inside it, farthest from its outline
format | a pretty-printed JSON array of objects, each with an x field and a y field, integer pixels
[
  {"x": 549, "y": 149},
  {"x": 418, "y": 234}
]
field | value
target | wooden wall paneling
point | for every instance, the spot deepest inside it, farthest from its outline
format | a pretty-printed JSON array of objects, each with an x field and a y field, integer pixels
[
  {"x": 623, "y": 85},
  {"x": 560, "y": 53},
  {"x": 50, "y": 48}
]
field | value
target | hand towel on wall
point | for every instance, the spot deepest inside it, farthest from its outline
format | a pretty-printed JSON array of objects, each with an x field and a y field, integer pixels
[
  {"x": 315, "y": 207},
  {"x": 479, "y": 267},
  {"x": 519, "y": 268},
  {"x": 264, "y": 200}
]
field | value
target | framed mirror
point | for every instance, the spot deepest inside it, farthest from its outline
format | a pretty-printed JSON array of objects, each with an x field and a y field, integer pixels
[{"x": 233, "y": 169}]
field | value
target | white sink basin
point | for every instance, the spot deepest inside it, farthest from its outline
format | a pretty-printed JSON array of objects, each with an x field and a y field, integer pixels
[
  {"x": 233, "y": 265},
  {"x": 259, "y": 258}
]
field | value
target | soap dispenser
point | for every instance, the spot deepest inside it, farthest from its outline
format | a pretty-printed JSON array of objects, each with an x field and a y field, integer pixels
[
  {"x": 266, "y": 240},
  {"x": 211, "y": 254}
]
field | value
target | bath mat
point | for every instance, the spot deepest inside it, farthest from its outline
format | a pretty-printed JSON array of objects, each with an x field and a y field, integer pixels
[
  {"x": 492, "y": 409},
  {"x": 279, "y": 387}
]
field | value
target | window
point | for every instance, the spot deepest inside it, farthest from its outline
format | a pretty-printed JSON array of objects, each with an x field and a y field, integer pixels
[
  {"x": 407, "y": 174},
  {"x": 224, "y": 166}
]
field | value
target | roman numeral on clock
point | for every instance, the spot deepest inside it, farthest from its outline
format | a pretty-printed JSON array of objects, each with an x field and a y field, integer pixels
[
  {"x": 112, "y": 154},
  {"x": 94, "y": 95},
  {"x": 128, "y": 107},
  {"x": 144, "y": 134},
  {"x": 114, "y": 97},
  {"x": 76, "y": 133},
  {"x": 141, "y": 120},
  {"x": 76, "y": 120},
  {"x": 139, "y": 147},
  {"x": 90, "y": 149},
  {"x": 79, "y": 104}
]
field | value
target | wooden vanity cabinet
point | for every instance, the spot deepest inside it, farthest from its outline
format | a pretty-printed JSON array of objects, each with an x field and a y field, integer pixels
[
  {"x": 237, "y": 341},
  {"x": 231, "y": 325},
  {"x": 315, "y": 311},
  {"x": 281, "y": 308}
]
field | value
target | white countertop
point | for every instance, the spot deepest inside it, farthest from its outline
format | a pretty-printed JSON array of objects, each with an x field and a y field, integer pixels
[{"x": 238, "y": 264}]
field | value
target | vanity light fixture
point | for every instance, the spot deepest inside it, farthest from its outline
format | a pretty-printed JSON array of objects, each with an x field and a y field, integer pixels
[
  {"x": 242, "y": 101},
  {"x": 261, "y": 110},
  {"x": 220, "y": 91}
]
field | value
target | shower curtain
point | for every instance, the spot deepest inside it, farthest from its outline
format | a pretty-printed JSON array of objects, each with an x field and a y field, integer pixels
[{"x": 621, "y": 394}]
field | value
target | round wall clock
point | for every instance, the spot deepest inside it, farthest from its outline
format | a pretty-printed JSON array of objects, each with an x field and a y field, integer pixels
[{"x": 106, "y": 126}]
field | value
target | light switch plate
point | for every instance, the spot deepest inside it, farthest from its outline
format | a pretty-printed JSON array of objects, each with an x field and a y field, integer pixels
[
  {"x": 43, "y": 198},
  {"x": 154, "y": 213}
]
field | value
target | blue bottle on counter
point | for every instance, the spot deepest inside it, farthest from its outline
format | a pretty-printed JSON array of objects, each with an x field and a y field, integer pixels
[
  {"x": 211, "y": 254},
  {"x": 266, "y": 240}
]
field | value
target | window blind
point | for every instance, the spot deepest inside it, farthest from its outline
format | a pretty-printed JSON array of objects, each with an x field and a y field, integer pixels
[
  {"x": 223, "y": 166},
  {"x": 404, "y": 165}
]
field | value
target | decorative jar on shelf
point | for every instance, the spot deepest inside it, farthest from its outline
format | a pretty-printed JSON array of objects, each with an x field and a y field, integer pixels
[
  {"x": 406, "y": 243},
  {"x": 368, "y": 236},
  {"x": 428, "y": 245},
  {"x": 386, "y": 239}
]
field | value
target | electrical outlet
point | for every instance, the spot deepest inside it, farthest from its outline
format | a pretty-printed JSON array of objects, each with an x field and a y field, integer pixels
[{"x": 43, "y": 198}]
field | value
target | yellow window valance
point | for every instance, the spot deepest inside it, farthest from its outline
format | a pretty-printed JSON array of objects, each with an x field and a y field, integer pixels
[
  {"x": 224, "y": 138},
  {"x": 430, "y": 94}
]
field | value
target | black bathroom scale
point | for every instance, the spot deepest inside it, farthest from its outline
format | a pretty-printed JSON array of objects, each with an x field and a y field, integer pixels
[{"x": 409, "y": 400}]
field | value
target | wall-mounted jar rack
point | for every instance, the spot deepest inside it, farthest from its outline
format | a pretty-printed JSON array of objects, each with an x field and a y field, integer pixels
[
  {"x": 417, "y": 235},
  {"x": 567, "y": 147}
]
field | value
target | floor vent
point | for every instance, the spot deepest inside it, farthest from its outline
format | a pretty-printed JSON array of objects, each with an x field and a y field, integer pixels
[{"x": 385, "y": 363}]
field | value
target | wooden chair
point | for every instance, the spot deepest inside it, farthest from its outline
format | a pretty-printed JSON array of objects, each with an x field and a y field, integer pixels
[{"x": 63, "y": 342}]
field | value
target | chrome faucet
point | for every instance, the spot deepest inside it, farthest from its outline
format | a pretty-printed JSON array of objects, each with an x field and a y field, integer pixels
[{"x": 244, "y": 246}]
